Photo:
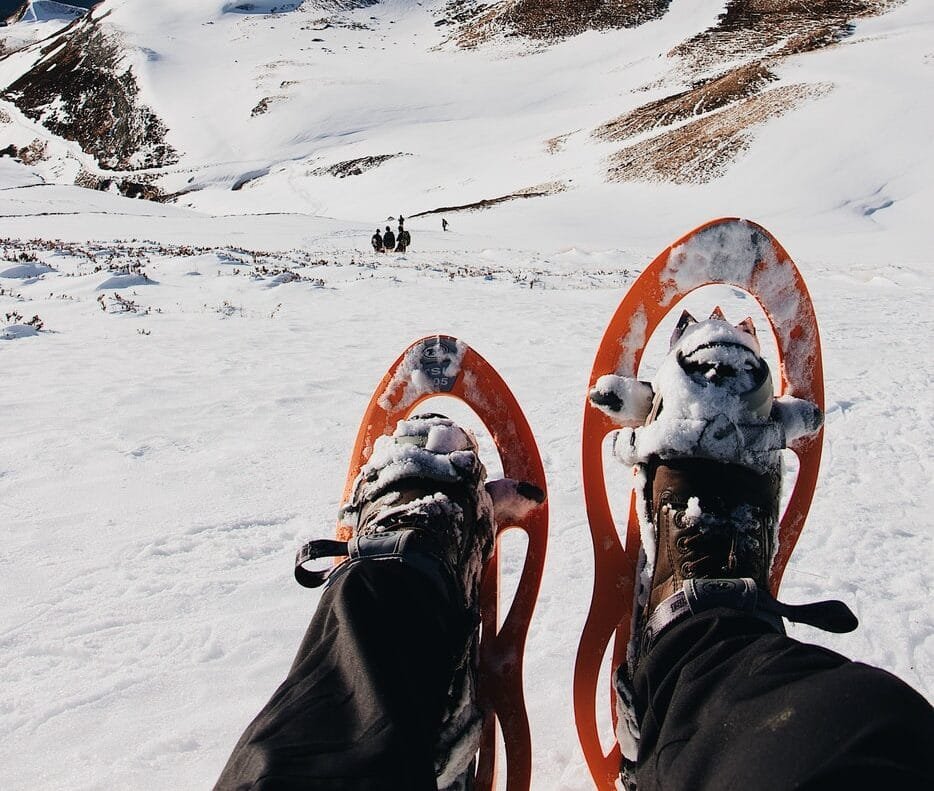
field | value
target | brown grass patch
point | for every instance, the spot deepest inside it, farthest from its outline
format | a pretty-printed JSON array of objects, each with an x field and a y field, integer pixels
[
  {"x": 703, "y": 97},
  {"x": 702, "y": 150},
  {"x": 555, "y": 144},
  {"x": 550, "y": 20}
]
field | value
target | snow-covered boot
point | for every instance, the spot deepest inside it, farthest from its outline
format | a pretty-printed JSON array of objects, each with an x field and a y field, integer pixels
[
  {"x": 422, "y": 500},
  {"x": 421, "y": 495},
  {"x": 710, "y": 453},
  {"x": 709, "y": 458}
]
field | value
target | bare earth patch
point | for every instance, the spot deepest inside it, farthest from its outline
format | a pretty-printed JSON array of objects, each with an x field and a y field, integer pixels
[
  {"x": 705, "y": 96},
  {"x": 702, "y": 150},
  {"x": 776, "y": 27},
  {"x": 538, "y": 191},
  {"x": 550, "y": 20}
]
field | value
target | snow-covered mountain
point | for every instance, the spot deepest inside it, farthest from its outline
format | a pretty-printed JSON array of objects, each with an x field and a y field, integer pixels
[
  {"x": 184, "y": 375},
  {"x": 43, "y": 10},
  {"x": 338, "y": 107}
]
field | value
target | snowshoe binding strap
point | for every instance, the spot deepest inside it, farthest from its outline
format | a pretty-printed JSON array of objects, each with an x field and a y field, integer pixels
[
  {"x": 315, "y": 550},
  {"x": 412, "y": 547},
  {"x": 699, "y": 595}
]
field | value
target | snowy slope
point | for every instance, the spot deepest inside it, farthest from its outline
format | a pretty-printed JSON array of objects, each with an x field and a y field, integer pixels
[
  {"x": 159, "y": 468},
  {"x": 259, "y": 106},
  {"x": 48, "y": 10}
]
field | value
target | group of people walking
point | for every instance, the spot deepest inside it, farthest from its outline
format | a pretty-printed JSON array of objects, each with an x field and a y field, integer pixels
[{"x": 389, "y": 242}]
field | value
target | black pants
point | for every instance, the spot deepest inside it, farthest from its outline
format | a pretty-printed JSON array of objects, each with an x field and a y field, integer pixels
[
  {"x": 724, "y": 703},
  {"x": 363, "y": 701}
]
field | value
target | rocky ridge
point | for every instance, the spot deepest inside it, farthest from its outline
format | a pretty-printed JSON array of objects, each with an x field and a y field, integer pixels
[
  {"x": 722, "y": 83},
  {"x": 693, "y": 134}
]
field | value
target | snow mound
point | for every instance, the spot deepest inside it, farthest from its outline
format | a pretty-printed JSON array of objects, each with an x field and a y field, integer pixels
[
  {"x": 26, "y": 271},
  {"x": 14, "y": 331},
  {"x": 126, "y": 281}
]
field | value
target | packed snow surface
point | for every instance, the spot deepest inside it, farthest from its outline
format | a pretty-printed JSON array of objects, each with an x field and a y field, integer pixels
[
  {"x": 169, "y": 441},
  {"x": 161, "y": 465}
]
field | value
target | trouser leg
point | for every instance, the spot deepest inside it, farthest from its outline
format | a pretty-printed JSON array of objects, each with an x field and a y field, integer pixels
[
  {"x": 362, "y": 704},
  {"x": 724, "y": 702}
]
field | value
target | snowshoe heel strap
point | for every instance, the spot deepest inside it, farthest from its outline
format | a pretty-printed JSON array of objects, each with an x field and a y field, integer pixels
[
  {"x": 699, "y": 595},
  {"x": 830, "y": 616}
]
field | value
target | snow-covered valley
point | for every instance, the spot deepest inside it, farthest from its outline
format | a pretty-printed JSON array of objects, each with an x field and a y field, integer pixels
[{"x": 164, "y": 453}]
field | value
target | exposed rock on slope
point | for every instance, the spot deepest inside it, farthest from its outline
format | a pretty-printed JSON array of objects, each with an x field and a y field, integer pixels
[
  {"x": 81, "y": 90},
  {"x": 547, "y": 20},
  {"x": 538, "y": 191},
  {"x": 727, "y": 107},
  {"x": 778, "y": 27},
  {"x": 355, "y": 167}
]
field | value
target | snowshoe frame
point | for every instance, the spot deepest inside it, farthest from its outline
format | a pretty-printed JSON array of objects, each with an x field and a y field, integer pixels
[
  {"x": 441, "y": 365},
  {"x": 770, "y": 276}
]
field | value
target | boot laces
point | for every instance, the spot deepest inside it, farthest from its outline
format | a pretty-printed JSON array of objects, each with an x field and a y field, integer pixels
[{"x": 716, "y": 544}]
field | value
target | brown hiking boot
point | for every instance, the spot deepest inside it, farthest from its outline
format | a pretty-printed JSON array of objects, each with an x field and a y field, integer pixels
[
  {"x": 710, "y": 450},
  {"x": 716, "y": 527},
  {"x": 712, "y": 520}
]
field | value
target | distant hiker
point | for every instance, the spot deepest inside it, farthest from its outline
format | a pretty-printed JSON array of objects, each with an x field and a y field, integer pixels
[
  {"x": 444, "y": 224},
  {"x": 401, "y": 221},
  {"x": 389, "y": 239},
  {"x": 377, "y": 242},
  {"x": 404, "y": 240}
]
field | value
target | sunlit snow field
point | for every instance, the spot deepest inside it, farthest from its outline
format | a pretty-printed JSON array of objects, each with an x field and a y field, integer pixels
[{"x": 159, "y": 467}]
